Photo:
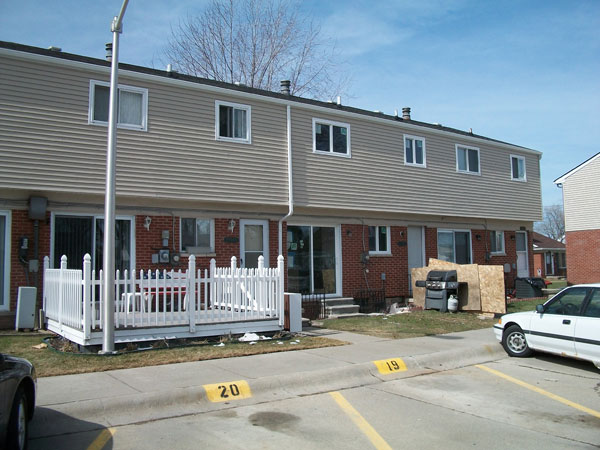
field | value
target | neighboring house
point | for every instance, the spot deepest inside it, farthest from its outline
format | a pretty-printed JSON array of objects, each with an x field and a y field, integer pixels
[
  {"x": 203, "y": 168},
  {"x": 581, "y": 194},
  {"x": 549, "y": 256}
]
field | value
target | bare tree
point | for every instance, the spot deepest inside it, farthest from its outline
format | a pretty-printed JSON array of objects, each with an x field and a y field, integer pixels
[
  {"x": 257, "y": 43},
  {"x": 553, "y": 224}
]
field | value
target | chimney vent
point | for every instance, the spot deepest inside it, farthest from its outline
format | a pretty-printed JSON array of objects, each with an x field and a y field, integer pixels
[
  {"x": 108, "y": 47},
  {"x": 54, "y": 49},
  {"x": 406, "y": 113},
  {"x": 285, "y": 87}
]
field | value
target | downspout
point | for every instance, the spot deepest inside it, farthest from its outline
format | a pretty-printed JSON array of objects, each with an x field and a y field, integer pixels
[{"x": 290, "y": 183}]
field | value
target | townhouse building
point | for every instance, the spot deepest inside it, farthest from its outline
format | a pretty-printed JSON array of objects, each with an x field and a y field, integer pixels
[
  {"x": 353, "y": 199},
  {"x": 581, "y": 189}
]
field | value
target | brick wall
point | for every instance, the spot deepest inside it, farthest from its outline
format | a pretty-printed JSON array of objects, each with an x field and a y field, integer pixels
[
  {"x": 22, "y": 226},
  {"x": 583, "y": 256},
  {"x": 395, "y": 266}
]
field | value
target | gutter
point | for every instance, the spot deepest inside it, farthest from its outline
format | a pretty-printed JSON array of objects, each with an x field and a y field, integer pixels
[{"x": 290, "y": 183}]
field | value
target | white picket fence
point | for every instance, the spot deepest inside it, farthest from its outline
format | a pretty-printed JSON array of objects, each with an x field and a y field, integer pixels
[{"x": 181, "y": 304}]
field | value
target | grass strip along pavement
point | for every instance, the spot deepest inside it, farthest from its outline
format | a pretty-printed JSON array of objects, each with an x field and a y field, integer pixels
[{"x": 50, "y": 362}]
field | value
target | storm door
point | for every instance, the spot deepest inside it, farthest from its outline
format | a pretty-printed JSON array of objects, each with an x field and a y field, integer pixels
[
  {"x": 254, "y": 241},
  {"x": 522, "y": 255}
]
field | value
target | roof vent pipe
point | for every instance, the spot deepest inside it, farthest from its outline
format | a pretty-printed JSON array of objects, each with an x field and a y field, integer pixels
[
  {"x": 406, "y": 113},
  {"x": 339, "y": 100},
  {"x": 108, "y": 47},
  {"x": 285, "y": 87}
]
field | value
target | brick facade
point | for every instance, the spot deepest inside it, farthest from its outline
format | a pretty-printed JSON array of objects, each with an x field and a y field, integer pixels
[
  {"x": 357, "y": 274},
  {"x": 583, "y": 256}
]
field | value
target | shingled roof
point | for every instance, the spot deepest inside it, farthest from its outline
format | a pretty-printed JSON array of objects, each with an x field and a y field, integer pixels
[{"x": 541, "y": 242}]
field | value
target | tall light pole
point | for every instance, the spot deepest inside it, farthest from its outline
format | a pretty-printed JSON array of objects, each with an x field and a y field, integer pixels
[{"x": 108, "y": 265}]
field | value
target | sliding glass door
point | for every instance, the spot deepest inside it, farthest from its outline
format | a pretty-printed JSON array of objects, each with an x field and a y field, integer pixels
[
  {"x": 74, "y": 236},
  {"x": 312, "y": 259}
]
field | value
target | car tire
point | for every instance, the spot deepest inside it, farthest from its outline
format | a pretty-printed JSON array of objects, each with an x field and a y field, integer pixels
[
  {"x": 18, "y": 425},
  {"x": 515, "y": 343}
]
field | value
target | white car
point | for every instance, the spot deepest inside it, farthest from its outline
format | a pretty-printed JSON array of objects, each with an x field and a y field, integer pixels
[{"x": 568, "y": 324}]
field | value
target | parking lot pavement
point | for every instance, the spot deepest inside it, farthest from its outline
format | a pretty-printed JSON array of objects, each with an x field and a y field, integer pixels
[{"x": 466, "y": 407}]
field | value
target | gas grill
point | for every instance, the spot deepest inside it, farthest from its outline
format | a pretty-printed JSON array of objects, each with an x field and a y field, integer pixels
[{"x": 440, "y": 284}]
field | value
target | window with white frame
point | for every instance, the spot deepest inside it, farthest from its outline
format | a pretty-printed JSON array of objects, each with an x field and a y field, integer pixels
[
  {"x": 197, "y": 235},
  {"x": 379, "y": 240},
  {"x": 331, "y": 137},
  {"x": 517, "y": 165},
  {"x": 132, "y": 105},
  {"x": 232, "y": 122},
  {"x": 467, "y": 160},
  {"x": 414, "y": 151},
  {"x": 497, "y": 242}
]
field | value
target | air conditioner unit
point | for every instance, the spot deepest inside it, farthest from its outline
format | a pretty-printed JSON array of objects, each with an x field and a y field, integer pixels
[{"x": 25, "y": 317}]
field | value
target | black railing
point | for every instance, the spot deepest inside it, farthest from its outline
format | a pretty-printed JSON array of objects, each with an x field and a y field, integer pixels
[
  {"x": 313, "y": 305},
  {"x": 370, "y": 300}
]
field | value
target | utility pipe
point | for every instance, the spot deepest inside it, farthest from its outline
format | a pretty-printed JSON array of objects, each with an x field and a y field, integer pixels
[{"x": 290, "y": 181}]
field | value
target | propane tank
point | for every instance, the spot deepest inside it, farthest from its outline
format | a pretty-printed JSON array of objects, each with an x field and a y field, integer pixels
[{"x": 452, "y": 303}]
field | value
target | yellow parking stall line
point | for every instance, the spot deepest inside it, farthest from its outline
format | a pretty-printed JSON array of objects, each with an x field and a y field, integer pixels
[
  {"x": 102, "y": 439},
  {"x": 360, "y": 422},
  {"x": 541, "y": 391}
]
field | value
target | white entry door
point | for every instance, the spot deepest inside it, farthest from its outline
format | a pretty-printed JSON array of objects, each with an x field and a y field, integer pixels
[
  {"x": 254, "y": 241},
  {"x": 416, "y": 250},
  {"x": 522, "y": 255}
]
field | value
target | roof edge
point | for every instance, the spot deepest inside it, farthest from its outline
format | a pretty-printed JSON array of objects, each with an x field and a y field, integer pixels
[{"x": 562, "y": 178}]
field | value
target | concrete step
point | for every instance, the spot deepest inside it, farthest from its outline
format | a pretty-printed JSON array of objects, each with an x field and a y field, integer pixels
[
  {"x": 341, "y": 309},
  {"x": 339, "y": 301}
]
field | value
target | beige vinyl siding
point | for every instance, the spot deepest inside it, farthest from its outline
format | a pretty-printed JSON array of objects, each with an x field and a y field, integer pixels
[
  {"x": 47, "y": 144},
  {"x": 581, "y": 191},
  {"x": 375, "y": 178}
]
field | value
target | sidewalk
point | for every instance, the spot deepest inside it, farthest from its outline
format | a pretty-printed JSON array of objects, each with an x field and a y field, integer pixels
[{"x": 73, "y": 403}]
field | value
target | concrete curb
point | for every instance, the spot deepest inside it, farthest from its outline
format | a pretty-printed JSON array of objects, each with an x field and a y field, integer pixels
[{"x": 143, "y": 407}]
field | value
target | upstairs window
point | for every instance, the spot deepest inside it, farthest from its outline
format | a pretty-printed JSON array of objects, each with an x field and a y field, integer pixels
[
  {"x": 232, "y": 122},
  {"x": 517, "y": 164},
  {"x": 197, "y": 235},
  {"x": 132, "y": 106},
  {"x": 497, "y": 242},
  {"x": 331, "y": 137},
  {"x": 414, "y": 151},
  {"x": 379, "y": 240},
  {"x": 467, "y": 160}
]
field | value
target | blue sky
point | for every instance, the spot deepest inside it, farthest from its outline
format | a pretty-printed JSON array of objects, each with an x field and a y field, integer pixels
[{"x": 525, "y": 72}]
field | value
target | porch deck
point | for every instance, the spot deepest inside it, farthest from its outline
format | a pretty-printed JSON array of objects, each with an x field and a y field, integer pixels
[{"x": 165, "y": 305}]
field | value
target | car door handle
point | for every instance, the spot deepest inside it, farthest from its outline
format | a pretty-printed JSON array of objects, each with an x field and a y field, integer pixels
[{"x": 566, "y": 322}]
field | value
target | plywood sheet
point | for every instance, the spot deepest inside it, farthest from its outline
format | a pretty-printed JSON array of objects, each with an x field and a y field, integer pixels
[
  {"x": 470, "y": 297},
  {"x": 419, "y": 292},
  {"x": 491, "y": 281}
]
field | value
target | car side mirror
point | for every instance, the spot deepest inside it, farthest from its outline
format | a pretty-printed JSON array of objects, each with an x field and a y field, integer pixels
[{"x": 540, "y": 309}]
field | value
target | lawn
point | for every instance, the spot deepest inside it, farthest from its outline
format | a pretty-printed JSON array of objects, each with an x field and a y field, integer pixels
[
  {"x": 524, "y": 305},
  {"x": 414, "y": 324},
  {"x": 49, "y": 362}
]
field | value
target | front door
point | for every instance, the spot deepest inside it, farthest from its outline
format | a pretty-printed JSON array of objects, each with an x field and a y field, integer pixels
[
  {"x": 4, "y": 261},
  {"x": 254, "y": 242},
  {"x": 416, "y": 254},
  {"x": 522, "y": 255}
]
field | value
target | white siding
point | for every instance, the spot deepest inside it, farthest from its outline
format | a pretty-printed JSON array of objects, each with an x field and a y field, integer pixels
[
  {"x": 375, "y": 178},
  {"x": 47, "y": 144},
  {"x": 581, "y": 194}
]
